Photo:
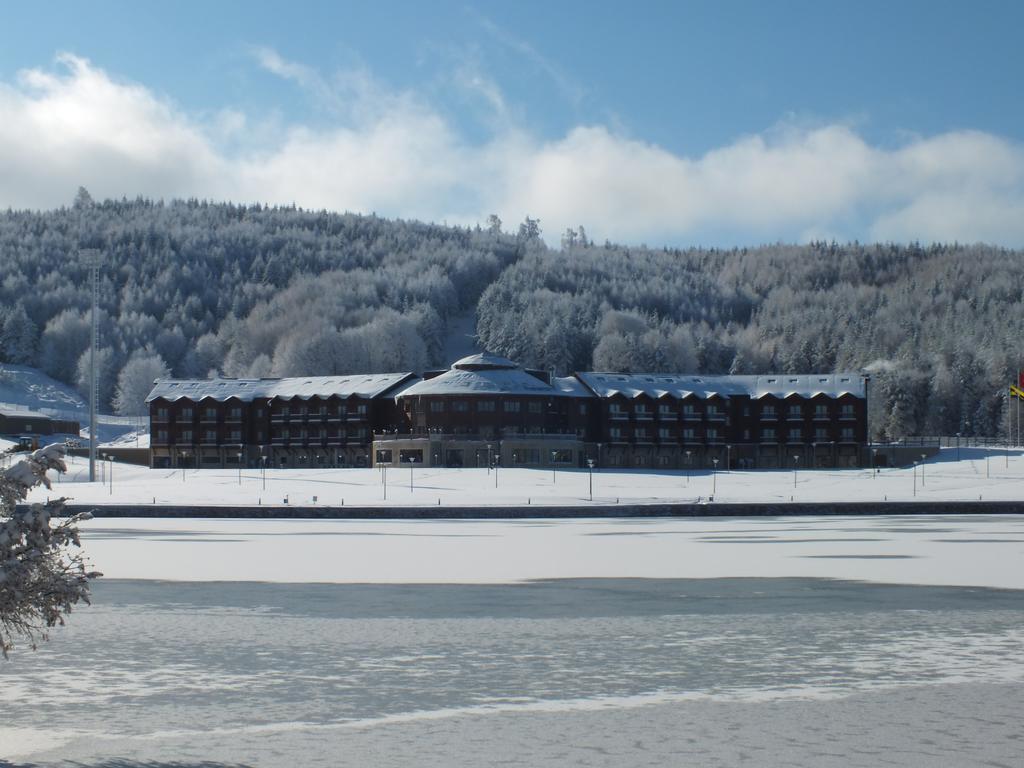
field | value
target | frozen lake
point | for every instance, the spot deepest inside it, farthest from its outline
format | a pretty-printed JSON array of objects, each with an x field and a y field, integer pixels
[{"x": 609, "y": 670}]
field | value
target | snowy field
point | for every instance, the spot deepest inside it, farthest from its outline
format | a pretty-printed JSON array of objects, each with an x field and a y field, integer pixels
[
  {"x": 618, "y": 642},
  {"x": 979, "y": 474}
]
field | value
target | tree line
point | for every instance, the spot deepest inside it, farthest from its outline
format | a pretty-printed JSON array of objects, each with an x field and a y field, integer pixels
[{"x": 190, "y": 287}]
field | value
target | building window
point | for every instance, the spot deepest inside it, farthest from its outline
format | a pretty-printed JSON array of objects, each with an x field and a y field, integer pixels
[
  {"x": 615, "y": 433},
  {"x": 210, "y": 436},
  {"x": 186, "y": 412},
  {"x": 665, "y": 411},
  {"x": 161, "y": 413},
  {"x": 713, "y": 411},
  {"x": 768, "y": 412},
  {"x": 485, "y": 406},
  {"x": 259, "y": 413},
  {"x": 526, "y": 456},
  {"x": 640, "y": 461},
  {"x": 689, "y": 411},
  {"x": 821, "y": 411},
  {"x": 795, "y": 434},
  {"x": 161, "y": 435},
  {"x": 821, "y": 434},
  {"x": 642, "y": 412},
  {"x": 284, "y": 410},
  {"x": 210, "y": 414},
  {"x": 583, "y": 409},
  {"x": 848, "y": 434},
  {"x": 361, "y": 409},
  {"x": 186, "y": 435},
  {"x": 616, "y": 411},
  {"x": 460, "y": 406},
  {"x": 535, "y": 406},
  {"x": 511, "y": 406},
  {"x": 236, "y": 436},
  {"x": 323, "y": 433},
  {"x": 437, "y": 406},
  {"x": 259, "y": 436},
  {"x": 664, "y": 433},
  {"x": 846, "y": 411},
  {"x": 795, "y": 412},
  {"x": 689, "y": 433},
  {"x": 768, "y": 433},
  {"x": 641, "y": 433},
  {"x": 712, "y": 433}
]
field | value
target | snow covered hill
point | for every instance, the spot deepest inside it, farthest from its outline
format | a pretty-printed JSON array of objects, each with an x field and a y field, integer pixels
[
  {"x": 30, "y": 388},
  {"x": 24, "y": 387}
]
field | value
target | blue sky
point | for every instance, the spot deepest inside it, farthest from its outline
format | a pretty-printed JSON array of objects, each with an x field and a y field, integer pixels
[{"x": 706, "y": 123}]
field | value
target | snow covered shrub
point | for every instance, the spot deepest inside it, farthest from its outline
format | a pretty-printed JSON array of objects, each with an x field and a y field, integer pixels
[{"x": 43, "y": 574}]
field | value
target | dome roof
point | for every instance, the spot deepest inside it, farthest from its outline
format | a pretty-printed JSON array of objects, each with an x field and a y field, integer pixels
[{"x": 483, "y": 361}]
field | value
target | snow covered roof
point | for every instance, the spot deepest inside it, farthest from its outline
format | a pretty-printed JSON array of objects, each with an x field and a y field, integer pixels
[
  {"x": 302, "y": 387},
  {"x": 21, "y": 413},
  {"x": 483, "y": 360},
  {"x": 570, "y": 385},
  {"x": 486, "y": 381},
  {"x": 678, "y": 386}
]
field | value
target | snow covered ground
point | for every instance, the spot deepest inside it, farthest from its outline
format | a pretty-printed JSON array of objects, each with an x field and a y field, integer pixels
[{"x": 979, "y": 474}]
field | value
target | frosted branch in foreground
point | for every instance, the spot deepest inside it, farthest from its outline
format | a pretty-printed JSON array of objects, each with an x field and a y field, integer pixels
[{"x": 43, "y": 573}]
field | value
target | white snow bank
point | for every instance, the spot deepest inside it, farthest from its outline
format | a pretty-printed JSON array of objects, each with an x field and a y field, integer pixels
[{"x": 978, "y": 475}]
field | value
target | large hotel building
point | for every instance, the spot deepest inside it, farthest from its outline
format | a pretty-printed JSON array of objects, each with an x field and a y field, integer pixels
[{"x": 488, "y": 409}]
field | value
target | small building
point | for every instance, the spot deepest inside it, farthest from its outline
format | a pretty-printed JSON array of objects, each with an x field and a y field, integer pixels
[{"x": 26, "y": 426}]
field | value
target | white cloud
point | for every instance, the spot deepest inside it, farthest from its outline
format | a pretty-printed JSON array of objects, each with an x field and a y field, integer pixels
[{"x": 398, "y": 155}]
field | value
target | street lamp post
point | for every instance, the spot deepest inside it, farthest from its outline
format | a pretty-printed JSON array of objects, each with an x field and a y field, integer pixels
[
  {"x": 384, "y": 476},
  {"x": 714, "y": 476},
  {"x": 184, "y": 456},
  {"x": 263, "y": 470},
  {"x": 412, "y": 461},
  {"x": 554, "y": 477},
  {"x": 239, "y": 467},
  {"x": 590, "y": 472},
  {"x": 874, "y": 462},
  {"x": 958, "y": 446},
  {"x": 728, "y": 458},
  {"x": 489, "y": 462},
  {"x": 796, "y": 463},
  {"x": 987, "y": 475},
  {"x": 915, "y": 478},
  {"x": 688, "y": 468},
  {"x": 111, "y": 474},
  {"x": 923, "y": 457}
]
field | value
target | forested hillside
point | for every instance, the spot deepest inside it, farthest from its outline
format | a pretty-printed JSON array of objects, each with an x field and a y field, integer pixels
[{"x": 191, "y": 287}]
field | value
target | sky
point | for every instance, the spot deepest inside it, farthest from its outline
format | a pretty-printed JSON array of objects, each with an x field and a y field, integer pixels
[{"x": 664, "y": 123}]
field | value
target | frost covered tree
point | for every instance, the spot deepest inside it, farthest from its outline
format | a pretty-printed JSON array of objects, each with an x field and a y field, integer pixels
[
  {"x": 43, "y": 574},
  {"x": 18, "y": 337},
  {"x": 135, "y": 382}
]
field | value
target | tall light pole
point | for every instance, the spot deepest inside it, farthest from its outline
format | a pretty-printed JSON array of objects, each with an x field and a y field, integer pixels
[
  {"x": 915, "y": 478},
  {"x": 91, "y": 256},
  {"x": 554, "y": 477},
  {"x": 923, "y": 457},
  {"x": 590, "y": 472},
  {"x": 412, "y": 461},
  {"x": 688, "y": 468},
  {"x": 796, "y": 463},
  {"x": 874, "y": 462},
  {"x": 714, "y": 476},
  {"x": 239, "y": 467},
  {"x": 728, "y": 458}
]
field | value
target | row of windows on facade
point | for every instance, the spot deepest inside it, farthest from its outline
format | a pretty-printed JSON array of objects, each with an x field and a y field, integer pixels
[
  {"x": 210, "y": 435},
  {"x": 489, "y": 406},
  {"x": 640, "y": 410},
  {"x": 711, "y": 433},
  {"x": 235, "y": 412}
]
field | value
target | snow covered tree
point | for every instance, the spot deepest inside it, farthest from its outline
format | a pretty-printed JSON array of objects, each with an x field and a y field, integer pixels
[
  {"x": 43, "y": 574},
  {"x": 135, "y": 382},
  {"x": 18, "y": 337}
]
